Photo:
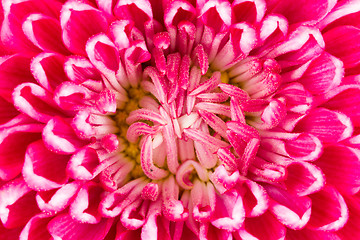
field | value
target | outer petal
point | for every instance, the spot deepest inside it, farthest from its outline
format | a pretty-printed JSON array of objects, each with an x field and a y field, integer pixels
[
  {"x": 14, "y": 70},
  {"x": 36, "y": 228},
  {"x": 271, "y": 229},
  {"x": 341, "y": 166},
  {"x": 44, "y": 32},
  {"x": 17, "y": 203},
  {"x": 328, "y": 126},
  {"x": 74, "y": 18},
  {"x": 302, "y": 11},
  {"x": 13, "y": 144},
  {"x": 65, "y": 228},
  {"x": 43, "y": 169},
  {"x": 48, "y": 70},
  {"x": 349, "y": 49},
  {"x": 329, "y": 210}
]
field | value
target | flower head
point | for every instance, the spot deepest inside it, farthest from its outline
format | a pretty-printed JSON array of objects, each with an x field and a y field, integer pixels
[{"x": 148, "y": 119}]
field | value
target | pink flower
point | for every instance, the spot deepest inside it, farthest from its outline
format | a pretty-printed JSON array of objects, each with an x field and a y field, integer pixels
[{"x": 147, "y": 119}]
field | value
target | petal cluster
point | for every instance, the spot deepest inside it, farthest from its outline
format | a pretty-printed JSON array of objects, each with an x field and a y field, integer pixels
[{"x": 146, "y": 119}]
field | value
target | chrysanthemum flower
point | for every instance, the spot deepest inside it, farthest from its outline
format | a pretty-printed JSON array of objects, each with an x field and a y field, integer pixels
[{"x": 149, "y": 119}]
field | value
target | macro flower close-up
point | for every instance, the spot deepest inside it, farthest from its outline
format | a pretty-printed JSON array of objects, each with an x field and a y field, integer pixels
[{"x": 180, "y": 119}]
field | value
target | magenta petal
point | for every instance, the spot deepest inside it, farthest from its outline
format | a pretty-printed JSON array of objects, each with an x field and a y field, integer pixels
[
  {"x": 36, "y": 102},
  {"x": 305, "y": 147},
  {"x": 351, "y": 230},
  {"x": 256, "y": 200},
  {"x": 59, "y": 137},
  {"x": 271, "y": 229},
  {"x": 328, "y": 126},
  {"x": 292, "y": 211},
  {"x": 139, "y": 11},
  {"x": 339, "y": 98},
  {"x": 302, "y": 10},
  {"x": 348, "y": 51},
  {"x": 84, "y": 164},
  {"x": 43, "y": 169},
  {"x": 341, "y": 166},
  {"x": 14, "y": 70},
  {"x": 56, "y": 200},
  {"x": 323, "y": 74},
  {"x": 84, "y": 207},
  {"x": 79, "y": 69},
  {"x": 36, "y": 228},
  {"x": 311, "y": 235},
  {"x": 229, "y": 213},
  {"x": 44, "y": 32},
  {"x": 13, "y": 144},
  {"x": 329, "y": 210},
  {"x": 75, "y": 32},
  {"x": 7, "y": 111},
  {"x": 48, "y": 70},
  {"x": 303, "y": 178},
  {"x": 250, "y": 11},
  {"x": 17, "y": 204},
  {"x": 65, "y": 228}
]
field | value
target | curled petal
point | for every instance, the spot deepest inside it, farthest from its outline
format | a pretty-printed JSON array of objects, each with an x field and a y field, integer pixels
[
  {"x": 65, "y": 227},
  {"x": 341, "y": 166},
  {"x": 336, "y": 214},
  {"x": 17, "y": 204},
  {"x": 43, "y": 169},
  {"x": 74, "y": 32}
]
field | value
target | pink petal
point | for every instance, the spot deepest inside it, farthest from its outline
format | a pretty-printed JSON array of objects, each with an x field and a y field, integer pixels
[
  {"x": 84, "y": 207},
  {"x": 303, "y": 178},
  {"x": 351, "y": 229},
  {"x": 271, "y": 229},
  {"x": 344, "y": 13},
  {"x": 47, "y": 69},
  {"x": 36, "y": 228},
  {"x": 73, "y": 97},
  {"x": 298, "y": 99},
  {"x": 348, "y": 51},
  {"x": 249, "y": 11},
  {"x": 147, "y": 163},
  {"x": 74, "y": 32},
  {"x": 36, "y": 102},
  {"x": 59, "y": 137},
  {"x": 14, "y": 70},
  {"x": 56, "y": 200},
  {"x": 66, "y": 228},
  {"x": 229, "y": 211},
  {"x": 304, "y": 44},
  {"x": 256, "y": 200},
  {"x": 44, "y": 32},
  {"x": 103, "y": 54},
  {"x": 329, "y": 210},
  {"x": 139, "y": 11},
  {"x": 114, "y": 203},
  {"x": 339, "y": 98},
  {"x": 323, "y": 74},
  {"x": 79, "y": 69},
  {"x": 216, "y": 14},
  {"x": 197, "y": 135},
  {"x": 7, "y": 111},
  {"x": 341, "y": 166},
  {"x": 310, "y": 235},
  {"x": 302, "y": 11},
  {"x": 328, "y": 126},
  {"x": 13, "y": 144},
  {"x": 305, "y": 147},
  {"x": 43, "y": 169},
  {"x": 17, "y": 204},
  {"x": 292, "y": 211}
]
